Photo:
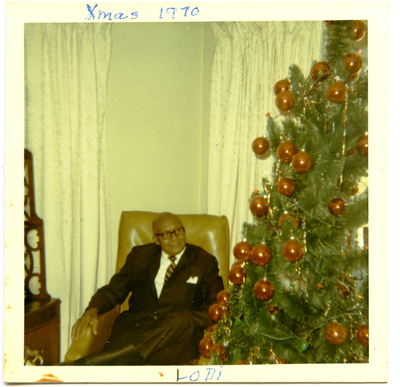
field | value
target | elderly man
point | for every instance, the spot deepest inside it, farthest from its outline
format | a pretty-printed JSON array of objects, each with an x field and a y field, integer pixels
[{"x": 173, "y": 284}]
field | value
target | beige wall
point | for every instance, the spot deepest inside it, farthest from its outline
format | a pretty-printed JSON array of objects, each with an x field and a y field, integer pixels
[{"x": 157, "y": 118}]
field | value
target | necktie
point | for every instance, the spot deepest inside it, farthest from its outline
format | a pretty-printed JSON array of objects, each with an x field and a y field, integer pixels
[{"x": 170, "y": 269}]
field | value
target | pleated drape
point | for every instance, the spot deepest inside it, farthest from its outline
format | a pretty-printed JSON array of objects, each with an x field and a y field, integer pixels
[
  {"x": 250, "y": 57},
  {"x": 66, "y": 70}
]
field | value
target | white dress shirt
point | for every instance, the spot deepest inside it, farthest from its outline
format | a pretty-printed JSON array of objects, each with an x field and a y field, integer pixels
[{"x": 164, "y": 264}]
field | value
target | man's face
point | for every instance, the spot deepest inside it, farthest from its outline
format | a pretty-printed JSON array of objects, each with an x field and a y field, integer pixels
[{"x": 175, "y": 244}]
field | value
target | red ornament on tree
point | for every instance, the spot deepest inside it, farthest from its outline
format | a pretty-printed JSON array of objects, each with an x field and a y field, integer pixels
[
  {"x": 285, "y": 100},
  {"x": 264, "y": 290},
  {"x": 205, "y": 346},
  {"x": 358, "y": 30},
  {"x": 363, "y": 335},
  {"x": 258, "y": 205},
  {"x": 302, "y": 162},
  {"x": 220, "y": 350},
  {"x": 292, "y": 250},
  {"x": 223, "y": 298},
  {"x": 336, "y": 92},
  {"x": 282, "y": 85},
  {"x": 261, "y": 254},
  {"x": 215, "y": 312},
  {"x": 283, "y": 217},
  {"x": 260, "y": 145},
  {"x": 362, "y": 145},
  {"x": 237, "y": 275},
  {"x": 286, "y": 186},
  {"x": 286, "y": 150},
  {"x": 320, "y": 69},
  {"x": 242, "y": 251},
  {"x": 337, "y": 206},
  {"x": 335, "y": 333},
  {"x": 353, "y": 63}
]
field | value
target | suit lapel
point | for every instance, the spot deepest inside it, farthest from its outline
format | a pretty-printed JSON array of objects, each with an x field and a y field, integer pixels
[{"x": 154, "y": 266}]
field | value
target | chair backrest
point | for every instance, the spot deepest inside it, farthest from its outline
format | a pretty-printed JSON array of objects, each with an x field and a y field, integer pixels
[{"x": 207, "y": 231}]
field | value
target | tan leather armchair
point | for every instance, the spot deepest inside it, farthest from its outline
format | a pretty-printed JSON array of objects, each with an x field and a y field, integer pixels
[{"x": 207, "y": 231}]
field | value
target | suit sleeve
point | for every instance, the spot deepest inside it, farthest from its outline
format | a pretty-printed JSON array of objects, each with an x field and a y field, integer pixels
[
  {"x": 211, "y": 285},
  {"x": 107, "y": 297}
]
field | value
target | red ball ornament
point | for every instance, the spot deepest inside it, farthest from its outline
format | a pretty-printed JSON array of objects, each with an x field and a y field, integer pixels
[
  {"x": 237, "y": 275},
  {"x": 363, "y": 335},
  {"x": 264, "y": 290},
  {"x": 258, "y": 205},
  {"x": 335, "y": 333},
  {"x": 223, "y": 298},
  {"x": 282, "y": 85},
  {"x": 353, "y": 63},
  {"x": 260, "y": 145},
  {"x": 283, "y": 217},
  {"x": 362, "y": 145},
  {"x": 215, "y": 312},
  {"x": 220, "y": 350},
  {"x": 286, "y": 186},
  {"x": 320, "y": 69},
  {"x": 302, "y": 162},
  {"x": 242, "y": 251},
  {"x": 261, "y": 254},
  {"x": 336, "y": 92},
  {"x": 358, "y": 30},
  {"x": 286, "y": 150},
  {"x": 292, "y": 251},
  {"x": 285, "y": 100},
  {"x": 337, "y": 206},
  {"x": 205, "y": 346}
]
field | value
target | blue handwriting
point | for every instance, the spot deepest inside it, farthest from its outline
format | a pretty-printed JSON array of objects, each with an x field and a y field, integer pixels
[
  {"x": 194, "y": 12},
  {"x": 102, "y": 15},
  {"x": 197, "y": 376}
]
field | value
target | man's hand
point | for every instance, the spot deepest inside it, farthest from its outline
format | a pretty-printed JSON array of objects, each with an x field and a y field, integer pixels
[{"x": 91, "y": 317}]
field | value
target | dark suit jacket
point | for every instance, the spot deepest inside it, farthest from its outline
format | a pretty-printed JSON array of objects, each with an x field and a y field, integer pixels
[{"x": 138, "y": 274}]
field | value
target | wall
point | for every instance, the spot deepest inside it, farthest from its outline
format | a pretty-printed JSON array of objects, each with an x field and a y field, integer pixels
[{"x": 157, "y": 118}]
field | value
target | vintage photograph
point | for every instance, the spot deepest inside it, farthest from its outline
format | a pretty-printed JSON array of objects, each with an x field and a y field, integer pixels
[{"x": 196, "y": 195}]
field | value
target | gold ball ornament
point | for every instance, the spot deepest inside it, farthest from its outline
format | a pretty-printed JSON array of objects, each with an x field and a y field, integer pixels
[
  {"x": 358, "y": 30},
  {"x": 223, "y": 298},
  {"x": 286, "y": 186},
  {"x": 285, "y": 100},
  {"x": 220, "y": 350},
  {"x": 353, "y": 63},
  {"x": 292, "y": 251},
  {"x": 302, "y": 162},
  {"x": 337, "y": 206},
  {"x": 283, "y": 217},
  {"x": 215, "y": 312},
  {"x": 336, "y": 92},
  {"x": 363, "y": 335},
  {"x": 258, "y": 205},
  {"x": 242, "y": 362},
  {"x": 362, "y": 145},
  {"x": 261, "y": 254},
  {"x": 320, "y": 69},
  {"x": 282, "y": 85},
  {"x": 237, "y": 275},
  {"x": 205, "y": 346},
  {"x": 242, "y": 251},
  {"x": 263, "y": 290},
  {"x": 335, "y": 333},
  {"x": 260, "y": 146},
  {"x": 286, "y": 150}
]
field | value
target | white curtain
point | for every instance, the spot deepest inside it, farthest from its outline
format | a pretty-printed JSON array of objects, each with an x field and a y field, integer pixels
[
  {"x": 66, "y": 70},
  {"x": 250, "y": 57}
]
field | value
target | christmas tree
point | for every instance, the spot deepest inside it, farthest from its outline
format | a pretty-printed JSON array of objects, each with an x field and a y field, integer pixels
[{"x": 298, "y": 292}]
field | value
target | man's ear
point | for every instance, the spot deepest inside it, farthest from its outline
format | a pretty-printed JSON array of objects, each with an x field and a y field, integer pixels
[{"x": 155, "y": 240}]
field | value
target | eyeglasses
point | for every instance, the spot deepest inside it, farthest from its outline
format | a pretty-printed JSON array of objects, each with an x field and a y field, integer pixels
[{"x": 167, "y": 235}]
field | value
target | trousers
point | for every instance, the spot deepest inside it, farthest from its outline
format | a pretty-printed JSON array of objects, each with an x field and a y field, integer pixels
[{"x": 163, "y": 340}]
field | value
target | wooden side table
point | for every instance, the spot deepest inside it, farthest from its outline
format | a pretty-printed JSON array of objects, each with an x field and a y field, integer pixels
[{"x": 42, "y": 329}]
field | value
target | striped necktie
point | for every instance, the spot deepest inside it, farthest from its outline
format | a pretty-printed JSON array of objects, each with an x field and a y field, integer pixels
[{"x": 170, "y": 269}]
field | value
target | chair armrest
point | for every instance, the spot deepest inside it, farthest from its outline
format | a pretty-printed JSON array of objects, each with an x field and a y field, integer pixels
[{"x": 90, "y": 343}]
